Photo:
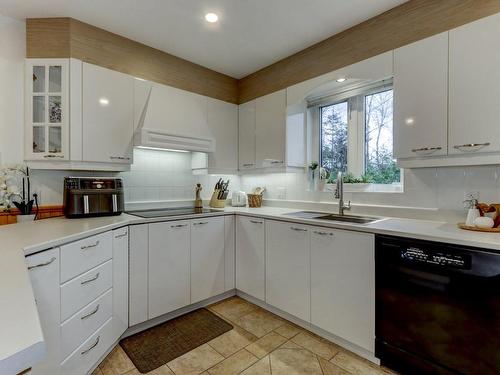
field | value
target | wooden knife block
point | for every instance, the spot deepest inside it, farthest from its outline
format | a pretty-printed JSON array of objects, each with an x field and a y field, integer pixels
[{"x": 215, "y": 202}]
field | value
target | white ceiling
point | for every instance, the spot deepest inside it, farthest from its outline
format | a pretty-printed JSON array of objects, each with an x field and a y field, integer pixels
[{"x": 250, "y": 35}]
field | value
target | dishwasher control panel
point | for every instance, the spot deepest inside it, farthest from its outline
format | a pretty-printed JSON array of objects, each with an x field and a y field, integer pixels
[{"x": 415, "y": 254}]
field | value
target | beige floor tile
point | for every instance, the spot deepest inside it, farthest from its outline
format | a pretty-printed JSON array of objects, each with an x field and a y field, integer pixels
[
  {"x": 196, "y": 361},
  {"x": 330, "y": 369},
  {"x": 232, "y": 341},
  {"x": 288, "y": 330},
  {"x": 259, "y": 322},
  {"x": 233, "y": 308},
  {"x": 116, "y": 363},
  {"x": 266, "y": 344},
  {"x": 97, "y": 371},
  {"x": 262, "y": 367},
  {"x": 294, "y": 362},
  {"x": 234, "y": 364},
  {"x": 291, "y": 345},
  {"x": 317, "y": 345},
  {"x": 356, "y": 365},
  {"x": 163, "y": 370}
]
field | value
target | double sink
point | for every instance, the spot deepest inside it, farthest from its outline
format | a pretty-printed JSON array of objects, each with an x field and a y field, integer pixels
[{"x": 335, "y": 217}]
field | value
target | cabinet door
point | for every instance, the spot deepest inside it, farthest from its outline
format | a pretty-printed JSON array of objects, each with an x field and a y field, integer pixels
[
  {"x": 421, "y": 98},
  {"x": 108, "y": 115},
  {"x": 270, "y": 125},
  {"x": 120, "y": 281},
  {"x": 223, "y": 125},
  {"x": 475, "y": 87},
  {"x": 343, "y": 285},
  {"x": 138, "y": 274},
  {"x": 246, "y": 135},
  {"x": 251, "y": 256},
  {"x": 169, "y": 248},
  {"x": 288, "y": 267},
  {"x": 229, "y": 250},
  {"x": 44, "y": 273},
  {"x": 207, "y": 258}
]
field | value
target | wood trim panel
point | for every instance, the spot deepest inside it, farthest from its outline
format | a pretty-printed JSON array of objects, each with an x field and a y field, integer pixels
[
  {"x": 45, "y": 212},
  {"x": 67, "y": 37},
  {"x": 404, "y": 24}
]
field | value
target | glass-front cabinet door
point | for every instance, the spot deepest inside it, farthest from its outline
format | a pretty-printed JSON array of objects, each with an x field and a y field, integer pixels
[{"x": 47, "y": 112}]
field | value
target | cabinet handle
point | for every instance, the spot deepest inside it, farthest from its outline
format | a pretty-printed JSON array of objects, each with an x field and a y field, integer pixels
[
  {"x": 298, "y": 229},
  {"x": 472, "y": 145},
  {"x": 119, "y": 158},
  {"x": 430, "y": 149},
  {"x": 42, "y": 264},
  {"x": 90, "y": 280},
  {"x": 53, "y": 156},
  {"x": 92, "y": 347},
  {"x": 323, "y": 233},
  {"x": 248, "y": 164},
  {"x": 178, "y": 226},
  {"x": 201, "y": 223},
  {"x": 90, "y": 246},
  {"x": 90, "y": 314},
  {"x": 256, "y": 222},
  {"x": 121, "y": 235},
  {"x": 277, "y": 162}
]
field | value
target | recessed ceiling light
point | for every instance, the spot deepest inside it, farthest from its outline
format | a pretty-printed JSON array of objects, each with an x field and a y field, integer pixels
[
  {"x": 342, "y": 79},
  {"x": 211, "y": 17}
]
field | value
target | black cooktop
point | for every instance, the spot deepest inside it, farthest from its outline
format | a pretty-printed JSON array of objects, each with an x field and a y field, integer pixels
[{"x": 164, "y": 212}]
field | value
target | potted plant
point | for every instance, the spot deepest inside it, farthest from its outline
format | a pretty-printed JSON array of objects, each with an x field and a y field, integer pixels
[
  {"x": 15, "y": 190},
  {"x": 324, "y": 177},
  {"x": 356, "y": 184},
  {"x": 312, "y": 175}
]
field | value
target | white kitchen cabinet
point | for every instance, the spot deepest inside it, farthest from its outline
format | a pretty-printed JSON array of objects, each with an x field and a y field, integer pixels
[
  {"x": 207, "y": 258},
  {"x": 251, "y": 256},
  {"x": 169, "y": 267},
  {"x": 246, "y": 135},
  {"x": 421, "y": 98},
  {"x": 343, "y": 285},
  {"x": 229, "y": 252},
  {"x": 44, "y": 274},
  {"x": 475, "y": 87},
  {"x": 270, "y": 135},
  {"x": 138, "y": 274},
  {"x": 288, "y": 268},
  {"x": 47, "y": 109},
  {"x": 107, "y": 115},
  {"x": 120, "y": 281}
]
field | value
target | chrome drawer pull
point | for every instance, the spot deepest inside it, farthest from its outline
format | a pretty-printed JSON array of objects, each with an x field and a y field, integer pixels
[
  {"x": 298, "y": 229},
  {"x": 248, "y": 164},
  {"x": 323, "y": 233},
  {"x": 90, "y": 314},
  {"x": 92, "y": 347},
  {"x": 277, "y": 162},
  {"x": 42, "y": 264},
  {"x": 427, "y": 149},
  {"x": 90, "y": 246},
  {"x": 201, "y": 223},
  {"x": 53, "y": 156},
  {"x": 256, "y": 222},
  {"x": 119, "y": 158},
  {"x": 121, "y": 235},
  {"x": 470, "y": 145},
  {"x": 179, "y": 226},
  {"x": 90, "y": 280}
]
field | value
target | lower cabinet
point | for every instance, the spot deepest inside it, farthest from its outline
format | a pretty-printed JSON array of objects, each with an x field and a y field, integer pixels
[
  {"x": 207, "y": 258},
  {"x": 343, "y": 284},
  {"x": 120, "y": 281},
  {"x": 169, "y": 263},
  {"x": 288, "y": 268},
  {"x": 251, "y": 256}
]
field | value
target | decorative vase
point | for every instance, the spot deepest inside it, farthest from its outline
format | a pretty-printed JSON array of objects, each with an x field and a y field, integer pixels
[{"x": 24, "y": 218}]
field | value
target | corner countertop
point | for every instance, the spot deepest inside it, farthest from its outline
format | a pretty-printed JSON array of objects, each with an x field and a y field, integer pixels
[{"x": 19, "y": 317}]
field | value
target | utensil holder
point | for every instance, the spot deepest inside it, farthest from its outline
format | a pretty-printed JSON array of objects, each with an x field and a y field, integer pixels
[
  {"x": 254, "y": 200},
  {"x": 216, "y": 202}
]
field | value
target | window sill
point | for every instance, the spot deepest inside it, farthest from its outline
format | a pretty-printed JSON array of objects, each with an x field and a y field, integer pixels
[{"x": 368, "y": 188}]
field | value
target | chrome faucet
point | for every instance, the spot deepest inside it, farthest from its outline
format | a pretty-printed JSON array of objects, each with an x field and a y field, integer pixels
[{"x": 339, "y": 194}]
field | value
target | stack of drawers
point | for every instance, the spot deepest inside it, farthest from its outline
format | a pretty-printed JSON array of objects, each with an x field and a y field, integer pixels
[{"x": 86, "y": 302}]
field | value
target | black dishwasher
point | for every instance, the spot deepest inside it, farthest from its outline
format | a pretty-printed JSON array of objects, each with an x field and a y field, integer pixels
[{"x": 437, "y": 307}]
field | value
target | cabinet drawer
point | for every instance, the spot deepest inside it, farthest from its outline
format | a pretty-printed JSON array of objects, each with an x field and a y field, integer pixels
[
  {"x": 87, "y": 355},
  {"x": 85, "y": 288},
  {"x": 80, "y": 256},
  {"x": 76, "y": 329}
]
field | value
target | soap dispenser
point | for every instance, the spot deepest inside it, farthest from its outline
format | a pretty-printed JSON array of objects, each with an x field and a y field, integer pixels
[{"x": 473, "y": 212}]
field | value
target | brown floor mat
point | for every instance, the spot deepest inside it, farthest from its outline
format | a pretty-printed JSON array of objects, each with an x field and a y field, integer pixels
[{"x": 156, "y": 346}]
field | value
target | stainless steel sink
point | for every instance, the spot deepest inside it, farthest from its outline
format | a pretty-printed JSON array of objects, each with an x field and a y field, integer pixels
[{"x": 335, "y": 217}]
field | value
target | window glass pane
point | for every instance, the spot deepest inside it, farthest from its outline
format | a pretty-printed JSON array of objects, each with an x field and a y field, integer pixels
[
  {"x": 39, "y": 109},
  {"x": 54, "y": 109},
  {"x": 38, "y": 78},
  {"x": 55, "y": 139},
  {"x": 333, "y": 121},
  {"x": 55, "y": 79},
  {"x": 38, "y": 139},
  {"x": 380, "y": 166}
]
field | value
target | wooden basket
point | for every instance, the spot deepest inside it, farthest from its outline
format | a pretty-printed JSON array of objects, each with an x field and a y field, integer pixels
[{"x": 254, "y": 200}]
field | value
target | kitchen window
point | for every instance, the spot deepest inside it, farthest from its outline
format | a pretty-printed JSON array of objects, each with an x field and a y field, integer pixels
[{"x": 355, "y": 136}]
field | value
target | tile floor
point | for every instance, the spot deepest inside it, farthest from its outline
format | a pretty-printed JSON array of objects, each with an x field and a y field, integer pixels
[{"x": 261, "y": 343}]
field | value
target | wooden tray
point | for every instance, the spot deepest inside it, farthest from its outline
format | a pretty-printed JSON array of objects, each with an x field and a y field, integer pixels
[{"x": 476, "y": 229}]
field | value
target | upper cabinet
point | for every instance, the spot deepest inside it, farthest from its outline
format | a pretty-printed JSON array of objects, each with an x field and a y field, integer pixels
[
  {"x": 246, "y": 135},
  {"x": 47, "y": 109},
  {"x": 475, "y": 87},
  {"x": 108, "y": 115},
  {"x": 420, "y": 98}
]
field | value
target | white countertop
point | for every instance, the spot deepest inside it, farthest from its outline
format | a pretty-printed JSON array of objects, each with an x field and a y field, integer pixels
[{"x": 19, "y": 321}]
